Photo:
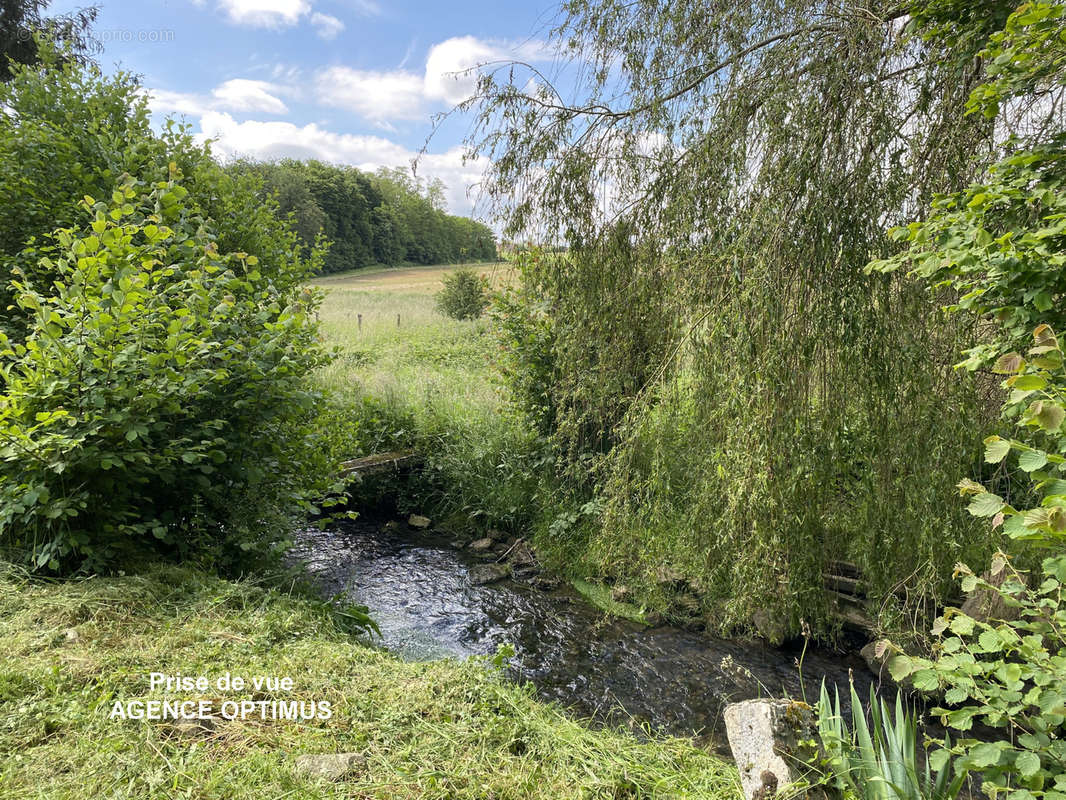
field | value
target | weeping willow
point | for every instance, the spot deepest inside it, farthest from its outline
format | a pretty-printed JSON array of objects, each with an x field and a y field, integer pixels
[{"x": 751, "y": 406}]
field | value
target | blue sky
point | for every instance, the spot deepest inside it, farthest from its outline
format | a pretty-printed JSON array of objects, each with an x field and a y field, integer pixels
[{"x": 348, "y": 81}]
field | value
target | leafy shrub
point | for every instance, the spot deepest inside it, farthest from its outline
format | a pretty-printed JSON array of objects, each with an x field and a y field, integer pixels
[
  {"x": 159, "y": 401},
  {"x": 1011, "y": 675},
  {"x": 525, "y": 331},
  {"x": 998, "y": 246},
  {"x": 464, "y": 296},
  {"x": 880, "y": 760}
]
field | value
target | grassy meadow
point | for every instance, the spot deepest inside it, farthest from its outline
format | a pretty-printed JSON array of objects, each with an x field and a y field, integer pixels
[
  {"x": 427, "y": 383},
  {"x": 423, "y": 359}
]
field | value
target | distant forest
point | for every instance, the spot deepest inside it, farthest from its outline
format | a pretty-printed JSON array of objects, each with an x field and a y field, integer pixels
[{"x": 388, "y": 217}]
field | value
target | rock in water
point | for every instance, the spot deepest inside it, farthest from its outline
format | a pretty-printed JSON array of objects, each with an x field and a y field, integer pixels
[
  {"x": 770, "y": 626},
  {"x": 330, "y": 766},
  {"x": 766, "y": 737},
  {"x": 481, "y": 545},
  {"x": 488, "y": 573},
  {"x": 418, "y": 521}
]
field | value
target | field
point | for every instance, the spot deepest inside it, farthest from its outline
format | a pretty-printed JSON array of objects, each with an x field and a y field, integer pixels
[
  {"x": 403, "y": 351},
  {"x": 427, "y": 383}
]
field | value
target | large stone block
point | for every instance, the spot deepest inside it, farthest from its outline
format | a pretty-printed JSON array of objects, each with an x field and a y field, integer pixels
[{"x": 770, "y": 744}]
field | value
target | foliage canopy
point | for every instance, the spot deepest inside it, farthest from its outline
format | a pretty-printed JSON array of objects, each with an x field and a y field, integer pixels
[{"x": 750, "y": 404}]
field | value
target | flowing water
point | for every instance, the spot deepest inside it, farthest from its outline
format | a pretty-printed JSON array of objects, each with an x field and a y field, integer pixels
[{"x": 419, "y": 591}]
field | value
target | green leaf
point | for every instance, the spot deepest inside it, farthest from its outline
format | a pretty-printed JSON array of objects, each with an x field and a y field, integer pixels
[
  {"x": 1050, "y": 416},
  {"x": 987, "y": 753},
  {"x": 985, "y": 505},
  {"x": 1027, "y": 764},
  {"x": 996, "y": 449},
  {"x": 900, "y": 666},
  {"x": 1028, "y": 383},
  {"x": 1032, "y": 460}
]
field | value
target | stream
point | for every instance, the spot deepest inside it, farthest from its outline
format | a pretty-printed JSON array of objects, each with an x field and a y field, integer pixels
[{"x": 419, "y": 590}]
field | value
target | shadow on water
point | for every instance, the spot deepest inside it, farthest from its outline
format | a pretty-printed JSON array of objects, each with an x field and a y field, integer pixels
[{"x": 419, "y": 591}]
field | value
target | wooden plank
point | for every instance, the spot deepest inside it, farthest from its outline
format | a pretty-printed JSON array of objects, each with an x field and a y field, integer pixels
[
  {"x": 380, "y": 462},
  {"x": 846, "y": 585}
]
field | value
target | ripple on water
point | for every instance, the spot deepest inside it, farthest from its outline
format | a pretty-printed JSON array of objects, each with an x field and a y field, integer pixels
[{"x": 418, "y": 590}]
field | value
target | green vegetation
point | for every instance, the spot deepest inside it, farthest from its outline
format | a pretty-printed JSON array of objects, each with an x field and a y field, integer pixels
[
  {"x": 879, "y": 760},
  {"x": 158, "y": 346},
  {"x": 716, "y": 369},
  {"x": 734, "y": 369},
  {"x": 427, "y": 383},
  {"x": 23, "y": 26},
  {"x": 463, "y": 296},
  {"x": 998, "y": 245},
  {"x": 390, "y": 217},
  {"x": 428, "y": 730}
]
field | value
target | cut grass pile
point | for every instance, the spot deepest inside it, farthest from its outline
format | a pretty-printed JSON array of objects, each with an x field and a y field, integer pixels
[{"x": 444, "y": 729}]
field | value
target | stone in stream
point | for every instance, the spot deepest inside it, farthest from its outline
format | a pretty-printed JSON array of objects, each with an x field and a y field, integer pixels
[
  {"x": 771, "y": 627},
  {"x": 481, "y": 545},
  {"x": 330, "y": 766},
  {"x": 521, "y": 555},
  {"x": 768, "y": 741},
  {"x": 484, "y": 574},
  {"x": 419, "y": 522}
]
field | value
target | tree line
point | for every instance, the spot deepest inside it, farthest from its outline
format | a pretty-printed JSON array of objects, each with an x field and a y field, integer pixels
[{"x": 388, "y": 217}]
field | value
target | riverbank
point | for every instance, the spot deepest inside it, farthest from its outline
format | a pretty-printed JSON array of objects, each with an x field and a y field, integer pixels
[{"x": 452, "y": 729}]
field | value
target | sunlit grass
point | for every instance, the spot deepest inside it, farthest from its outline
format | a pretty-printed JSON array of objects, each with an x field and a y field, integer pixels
[
  {"x": 395, "y": 345},
  {"x": 442, "y": 729}
]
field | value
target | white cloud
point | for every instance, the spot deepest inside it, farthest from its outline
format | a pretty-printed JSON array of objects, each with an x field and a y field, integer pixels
[
  {"x": 450, "y": 76},
  {"x": 376, "y": 96},
  {"x": 266, "y": 140},
  {"x": 265, "y": 13},
  {"x": 238, "y": 94},
  {"x": 450, "y": 67},
  {"x": 163, "y": 101},
  {"x": 326, "y": 26},
  {"x": 368, "y": 8},
  {"x": 241, "y": 94}
]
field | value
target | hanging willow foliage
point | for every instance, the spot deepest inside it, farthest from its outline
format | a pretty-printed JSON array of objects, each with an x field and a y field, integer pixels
[{"x": 753, "y": 405}]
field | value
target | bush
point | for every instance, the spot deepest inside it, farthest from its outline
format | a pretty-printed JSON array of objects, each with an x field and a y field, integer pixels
[
  {"x": 464, "y": 296},
  {"x": 1010, "y": 675},
  {"x": 159, "y": 401}
]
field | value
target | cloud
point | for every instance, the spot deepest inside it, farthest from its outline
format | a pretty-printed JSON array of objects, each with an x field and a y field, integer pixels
[
  {"x": 450, "y": 76},
  {"x": 326, "y": 26},
  {"x": 163, "y": 101},
  {"x": 238, "y": 94},
  {"x": 376, "y": 96},
  {"x": 268, "y": 140},
  {"x": 265, "y": 13},
  {"x": 368, "y": 8},
  {"x": 241, "y": 94},
  {"x": 450, "y": 66}
]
